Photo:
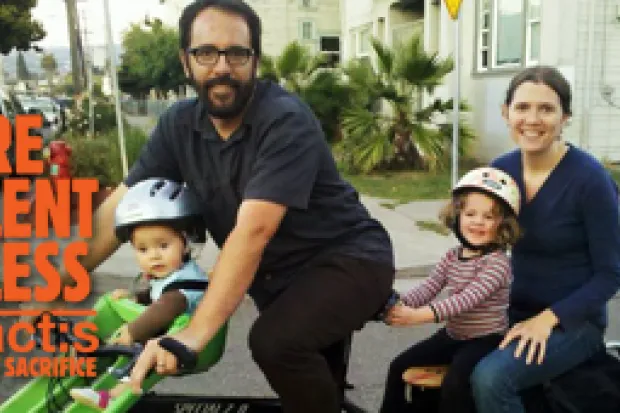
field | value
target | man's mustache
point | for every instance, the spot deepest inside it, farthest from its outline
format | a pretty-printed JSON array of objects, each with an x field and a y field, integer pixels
[{"x": 222, "y": 81}]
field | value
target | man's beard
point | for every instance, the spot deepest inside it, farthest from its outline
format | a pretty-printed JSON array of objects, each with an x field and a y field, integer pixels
[{"x": 242, "y": 92}]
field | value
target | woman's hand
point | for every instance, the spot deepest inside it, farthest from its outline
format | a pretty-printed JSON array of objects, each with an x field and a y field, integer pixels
[
  {"x": 533, "y": 332},
  {"x": 404, "y": 316}
]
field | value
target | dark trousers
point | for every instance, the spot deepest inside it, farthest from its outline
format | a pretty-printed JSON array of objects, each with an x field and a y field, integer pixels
[
  {"x": 297, "y": 340},
  {"x": 439, "y": 349}
]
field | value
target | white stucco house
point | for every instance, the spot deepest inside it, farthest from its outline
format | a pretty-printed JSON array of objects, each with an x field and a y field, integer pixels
[
  {"x": 500, "y": 37},
  {"x": 497, "y": 39},
  {"x": 313, "y": 23}
]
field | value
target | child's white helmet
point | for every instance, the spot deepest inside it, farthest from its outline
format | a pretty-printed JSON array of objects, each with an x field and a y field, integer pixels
[
  {"x": 160, "y": 201},
  {"x": 494, "y": 182}
]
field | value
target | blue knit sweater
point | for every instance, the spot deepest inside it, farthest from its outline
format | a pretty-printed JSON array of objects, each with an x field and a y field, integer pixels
[{"x": 569, "y": 257}]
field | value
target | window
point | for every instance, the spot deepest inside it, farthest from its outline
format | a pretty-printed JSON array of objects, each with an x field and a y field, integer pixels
[
  {"x": 533, "y": 31},
  {"x": 364, "y": 46},
  {"x": 484, "y": 37},
  {"x": 330, "y": 46},
  {"x": 306, "y": 3},
  {"x": 307, "y": 30},
  {"x": 508, "y": 33}
]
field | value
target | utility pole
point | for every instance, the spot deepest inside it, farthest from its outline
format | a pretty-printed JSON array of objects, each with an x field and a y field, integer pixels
[
  {"x": 113, "y": 77},
  {"x": 453, "y": 7},
  {"x": 1, "y": 71},
  {"x": 73, "y": 40},
  {"x": 89, "y": 61}
]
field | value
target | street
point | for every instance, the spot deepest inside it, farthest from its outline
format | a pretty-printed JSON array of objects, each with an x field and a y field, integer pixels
[{"x": 236, "y": 374}]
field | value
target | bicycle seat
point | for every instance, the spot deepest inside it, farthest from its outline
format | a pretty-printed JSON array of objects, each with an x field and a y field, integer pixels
[
  {"x": 425, "y": 376},
  {"x": 111, "y": 314}
]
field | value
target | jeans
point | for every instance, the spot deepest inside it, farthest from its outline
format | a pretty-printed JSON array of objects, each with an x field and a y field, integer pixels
[
  {"x": 297, "y": 338},
  {"x": 499, "y": 377},
  {"x": 440, "y": 348}
]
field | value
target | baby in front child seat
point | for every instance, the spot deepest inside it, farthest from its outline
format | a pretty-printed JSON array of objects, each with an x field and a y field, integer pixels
[{"x": 161, "y": 219}]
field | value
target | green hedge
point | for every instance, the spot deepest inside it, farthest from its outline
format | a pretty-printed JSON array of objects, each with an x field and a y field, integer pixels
[{"x": 100, "y": 157}]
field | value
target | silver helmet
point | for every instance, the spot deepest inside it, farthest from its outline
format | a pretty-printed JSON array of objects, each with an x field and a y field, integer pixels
[{"x": 159, "y": 201}]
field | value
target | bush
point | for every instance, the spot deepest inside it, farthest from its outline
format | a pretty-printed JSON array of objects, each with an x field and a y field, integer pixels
[
  {"x": 100, "y": 158},
  {"x": 104, "y": 118}
]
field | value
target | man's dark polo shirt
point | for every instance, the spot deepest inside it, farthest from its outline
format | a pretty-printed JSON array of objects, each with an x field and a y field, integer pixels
[{"x": 279, "y": 154}]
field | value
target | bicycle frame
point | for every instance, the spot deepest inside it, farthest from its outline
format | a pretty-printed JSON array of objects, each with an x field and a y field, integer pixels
[{"x": 159, "y": 403}]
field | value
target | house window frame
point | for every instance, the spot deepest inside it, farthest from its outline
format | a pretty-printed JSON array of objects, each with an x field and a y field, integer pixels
[
  {"x": 529, "y": 22},
  {"x": 492, "y": 37},
  {"x": 313, "y": 32},
  {"x": 358, "y": 44}
]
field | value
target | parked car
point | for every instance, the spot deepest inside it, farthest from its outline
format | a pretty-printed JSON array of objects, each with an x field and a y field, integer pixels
[
  {"x": 10, "y": 107},
  {"x": 48, "y": 107}
]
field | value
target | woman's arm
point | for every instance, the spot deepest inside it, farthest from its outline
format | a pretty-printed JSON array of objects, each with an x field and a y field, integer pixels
[{"x": 600, "y": 212}]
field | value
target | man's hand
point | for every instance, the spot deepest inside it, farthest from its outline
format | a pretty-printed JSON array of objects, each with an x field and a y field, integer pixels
[
  {"x": 164, "y": 362},
  {"x": 533, "y": 332}
]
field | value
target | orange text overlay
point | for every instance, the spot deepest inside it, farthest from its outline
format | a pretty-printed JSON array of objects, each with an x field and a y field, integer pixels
[
  {"x": 50, "y": 367},
  {"x": 22, "y": 219},
  {"x": 52, "y": 210},
  {"x": 83, "y": 331}
]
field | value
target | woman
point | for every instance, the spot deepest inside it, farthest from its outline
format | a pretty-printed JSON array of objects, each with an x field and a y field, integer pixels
[{"x": 567, "y": 265}]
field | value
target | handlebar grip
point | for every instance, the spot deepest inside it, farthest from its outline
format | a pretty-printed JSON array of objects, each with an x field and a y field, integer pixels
[
  {"x": 132, "y": 351},
  {"x": 186, "y": 357}
]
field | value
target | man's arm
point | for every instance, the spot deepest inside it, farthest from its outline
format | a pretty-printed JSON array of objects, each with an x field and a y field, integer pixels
[
  {"x": 104, "y": 242},
  {"x": 257, "y": 222}
]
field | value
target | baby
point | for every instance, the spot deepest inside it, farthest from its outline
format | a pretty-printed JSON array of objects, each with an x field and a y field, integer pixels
[{"x": 160, "y": 218}]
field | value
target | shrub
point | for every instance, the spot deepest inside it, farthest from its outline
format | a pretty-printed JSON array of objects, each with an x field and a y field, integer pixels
[
  {"x": 100, "y": 158},
  {"x": 104, "y": 118}
]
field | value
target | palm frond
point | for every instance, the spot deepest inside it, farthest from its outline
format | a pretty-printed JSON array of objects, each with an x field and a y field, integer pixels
[
  {"x": 385, "y": 57},
  {"x": 295, "y": 59},
  {"x": 376, "y": 151}
]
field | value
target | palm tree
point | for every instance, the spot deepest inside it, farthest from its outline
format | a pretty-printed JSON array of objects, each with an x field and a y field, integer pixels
[
  {"x": 299, "y": 71},
  {"x": 386, "y": 126}
]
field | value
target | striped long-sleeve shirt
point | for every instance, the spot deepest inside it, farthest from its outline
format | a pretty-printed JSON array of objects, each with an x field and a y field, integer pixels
[{"x": 477, "y": 293}]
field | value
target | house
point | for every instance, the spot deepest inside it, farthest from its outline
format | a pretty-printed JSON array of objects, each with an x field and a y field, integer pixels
[
  {"x": 314, "y": 23},
  {"x": 500, "y": 37}
]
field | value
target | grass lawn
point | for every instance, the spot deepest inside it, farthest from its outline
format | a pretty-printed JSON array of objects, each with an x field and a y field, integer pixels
[
  {"x": 403, "y": 187},
  {"x": 615, "y": 172}
]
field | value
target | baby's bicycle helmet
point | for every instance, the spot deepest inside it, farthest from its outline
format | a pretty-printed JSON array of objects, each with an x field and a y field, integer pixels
[{"x": 160, "y": 201}]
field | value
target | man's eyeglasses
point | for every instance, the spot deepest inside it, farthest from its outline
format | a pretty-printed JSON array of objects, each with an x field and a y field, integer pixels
[{"x": 209, "y": 55}]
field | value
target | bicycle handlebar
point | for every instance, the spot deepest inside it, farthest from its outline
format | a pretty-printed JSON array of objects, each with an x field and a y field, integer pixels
[{"x": 187, "y": 358}]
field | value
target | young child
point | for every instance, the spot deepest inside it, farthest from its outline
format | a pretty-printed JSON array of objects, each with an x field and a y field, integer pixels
[
  {"x": 160, "y": 218},
  {"x": 476, "y": 277}
]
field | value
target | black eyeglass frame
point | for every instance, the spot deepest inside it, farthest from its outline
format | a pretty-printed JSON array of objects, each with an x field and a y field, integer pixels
[{"x": 226, "y": 52}]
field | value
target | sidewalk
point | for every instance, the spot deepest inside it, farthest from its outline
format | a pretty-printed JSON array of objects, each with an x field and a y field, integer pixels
[{"x": 416, "y": 251}]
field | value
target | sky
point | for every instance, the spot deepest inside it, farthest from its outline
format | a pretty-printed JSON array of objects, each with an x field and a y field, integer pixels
[{"x": 53, "y": 15}]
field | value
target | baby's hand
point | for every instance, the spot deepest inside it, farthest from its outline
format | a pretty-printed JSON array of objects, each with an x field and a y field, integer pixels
[
  {"x": 122, "y": 336},
  {"x": 119, "y": 293}
]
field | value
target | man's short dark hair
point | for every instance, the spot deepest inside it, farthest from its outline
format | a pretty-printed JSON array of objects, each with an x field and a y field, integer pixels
[{"x": 237, "y": 7}]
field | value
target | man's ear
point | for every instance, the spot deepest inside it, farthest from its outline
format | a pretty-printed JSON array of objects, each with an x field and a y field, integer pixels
[
  {"x": 183, "y": 57},
  {"x": 505, "y": 112}
]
